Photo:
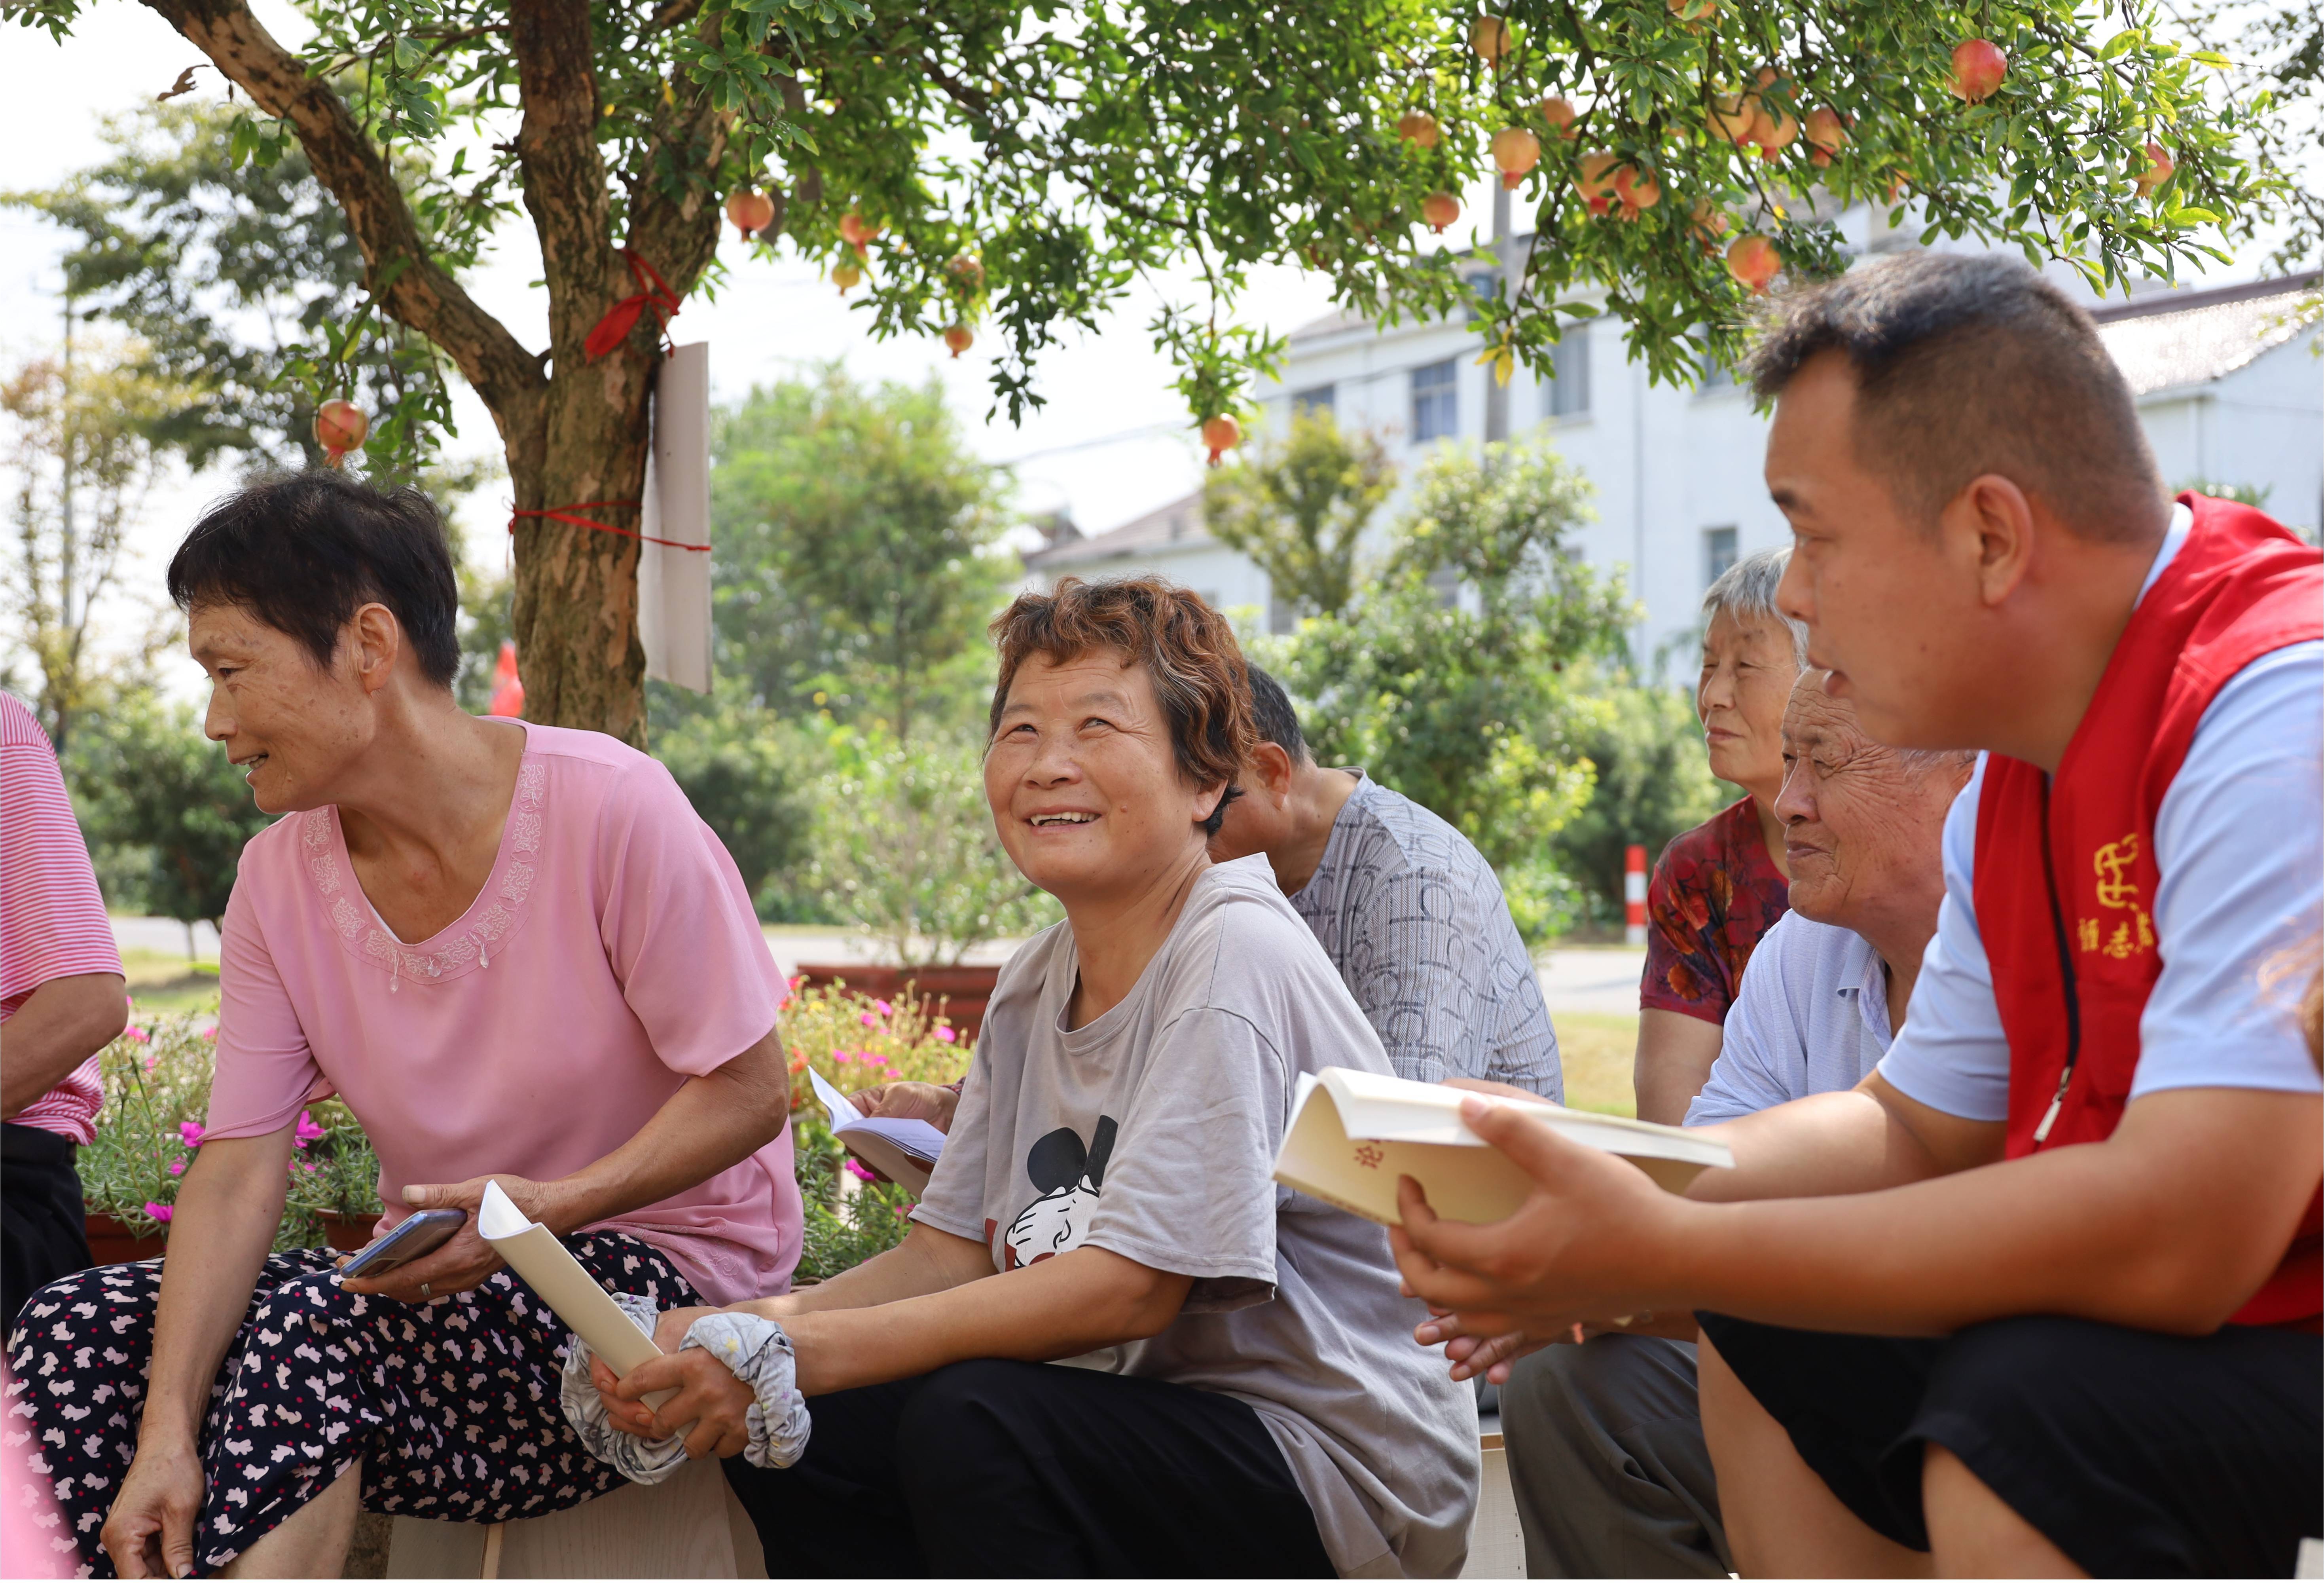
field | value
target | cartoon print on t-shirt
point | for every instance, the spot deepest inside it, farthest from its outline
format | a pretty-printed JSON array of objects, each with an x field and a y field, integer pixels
[{"x": 1070, "y": 1179}]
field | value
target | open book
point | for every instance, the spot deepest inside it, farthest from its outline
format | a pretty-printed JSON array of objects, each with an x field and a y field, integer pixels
[
  {"x": 903, "y": 1152},
  {"x": 557, "y": 1277},
  {"x": 1353, "y": 1134}
]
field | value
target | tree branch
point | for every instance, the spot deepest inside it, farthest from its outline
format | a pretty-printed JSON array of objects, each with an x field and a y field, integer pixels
[
  {"x": 678, "y": 232},
  {"x": 424, "y": 295},
  {"x": 564, "y": 174}
]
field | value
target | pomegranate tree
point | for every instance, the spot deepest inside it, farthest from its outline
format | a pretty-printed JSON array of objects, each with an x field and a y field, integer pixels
[
  {"x": 2159, "y": 168},
  {"x": 1752, "y": 261},
  {"x": 1221, "y": 434},
  {"x": 959, "y": 337},
  {"x": 857, "y": 232},
  {"x": 1561, "y": 114},
  {"x": 1440, "y": 210}
]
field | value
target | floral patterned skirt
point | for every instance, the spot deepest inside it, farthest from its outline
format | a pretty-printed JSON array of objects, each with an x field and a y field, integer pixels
[{"x": 453, "y": 1406}]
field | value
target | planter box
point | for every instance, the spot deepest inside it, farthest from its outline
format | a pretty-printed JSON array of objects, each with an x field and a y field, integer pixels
[
  {"x": 960, "y": 994},
  {"x": 112, "y": 1241}
]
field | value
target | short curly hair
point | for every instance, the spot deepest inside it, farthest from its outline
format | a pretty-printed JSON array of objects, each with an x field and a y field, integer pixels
[{"x": 1188, "y": 650}]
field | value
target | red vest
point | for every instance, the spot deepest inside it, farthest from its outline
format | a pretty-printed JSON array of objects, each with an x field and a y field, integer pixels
[{"x": 2065, "y": 871}]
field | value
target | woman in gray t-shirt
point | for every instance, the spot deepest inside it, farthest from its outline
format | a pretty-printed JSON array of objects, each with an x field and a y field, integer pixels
[{"x": 1245, "y": 1396}]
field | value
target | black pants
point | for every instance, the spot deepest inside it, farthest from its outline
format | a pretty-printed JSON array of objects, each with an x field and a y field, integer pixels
[
  {"x": 992, "y": 1469},
  {"x": 42, "y": 1234},
  {"x": 2139, "y": 1455}
]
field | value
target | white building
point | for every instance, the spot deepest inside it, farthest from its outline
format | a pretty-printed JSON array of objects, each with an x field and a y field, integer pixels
[{"x": 2231, "y": 394}]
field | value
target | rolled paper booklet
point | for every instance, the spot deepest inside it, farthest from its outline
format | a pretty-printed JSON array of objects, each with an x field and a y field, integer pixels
[
  {"x": 557, "y": 1277},
  {"x": 1353, "y": 1134}
]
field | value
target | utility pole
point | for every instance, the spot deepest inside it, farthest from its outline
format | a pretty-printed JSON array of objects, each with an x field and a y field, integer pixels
[
  {"x": 65, "y": 495},
  {"x": 1497, "y": 394}
]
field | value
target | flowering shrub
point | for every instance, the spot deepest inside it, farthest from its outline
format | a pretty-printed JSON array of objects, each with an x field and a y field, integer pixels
[
  {"x": 857, "y": 1040},
  {"x": 157, "y": 1090}
]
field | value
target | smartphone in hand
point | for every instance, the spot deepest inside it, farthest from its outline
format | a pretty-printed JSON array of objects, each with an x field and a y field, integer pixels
[{"x": 414, "y": 1236}]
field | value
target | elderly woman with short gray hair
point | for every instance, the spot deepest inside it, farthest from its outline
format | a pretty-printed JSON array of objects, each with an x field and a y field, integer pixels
[{"x": 1722, "y": 885}]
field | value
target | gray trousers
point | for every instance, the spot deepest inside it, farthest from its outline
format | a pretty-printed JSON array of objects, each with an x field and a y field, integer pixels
[{"x": 1608, "y": 1463}]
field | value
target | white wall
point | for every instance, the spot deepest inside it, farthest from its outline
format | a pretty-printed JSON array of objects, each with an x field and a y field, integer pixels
[{"x": 2258, "y": 426}]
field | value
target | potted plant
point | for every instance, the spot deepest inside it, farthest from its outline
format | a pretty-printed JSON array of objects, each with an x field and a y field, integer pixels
[
  {"x": 905, "y": 853},
  {"x": 157, "y": 1083}
]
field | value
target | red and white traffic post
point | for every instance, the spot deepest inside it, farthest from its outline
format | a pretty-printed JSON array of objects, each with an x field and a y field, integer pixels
[{"x": 1634, "y": 897}]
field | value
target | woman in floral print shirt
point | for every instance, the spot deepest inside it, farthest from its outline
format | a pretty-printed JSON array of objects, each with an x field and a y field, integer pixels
[{"x": 1722, "y": 884}]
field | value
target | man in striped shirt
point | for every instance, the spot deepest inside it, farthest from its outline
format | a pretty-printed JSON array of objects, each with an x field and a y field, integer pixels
[{"x": 60, "y": 1001}]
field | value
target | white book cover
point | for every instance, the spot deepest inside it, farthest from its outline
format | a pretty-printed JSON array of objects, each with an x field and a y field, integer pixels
[{"x": 1353, "y": 1134}]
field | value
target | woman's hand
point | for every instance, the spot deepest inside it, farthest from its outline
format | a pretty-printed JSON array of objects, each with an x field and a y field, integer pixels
[
  {"x": 468, "y": 1260},
  {"x": 150, "y": 1532},
  {"x": 929, "y": 1102},
  {"x": 710, "y": 1399}
]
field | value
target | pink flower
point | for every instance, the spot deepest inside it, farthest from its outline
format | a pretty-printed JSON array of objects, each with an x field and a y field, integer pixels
[
  {"x": 796, "y": 979},
  {"x": 885, "y": 1009},
  {"x": 136, "y": 1035},
  {"x": 152, "y": 1061},
  {"x": 191, "y": 1133},
  {"x": 178, "y": 1168},
  {"x": 312, "y": 1167},
  {"x": 859, "y": 1171},
  {"x": 947, "y": 1034},
  {"x": 307, "y": 1132},
  {"x": 211, "y": 1032},
  {"x": 161, "y": 1212},
  {"x": 869, "y": 1020}
]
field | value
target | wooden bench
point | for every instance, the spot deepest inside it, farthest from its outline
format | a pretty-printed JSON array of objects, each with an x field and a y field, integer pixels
[
  {"x": 689, "y": 1527},
  {"x": 692, "y": 1526}
]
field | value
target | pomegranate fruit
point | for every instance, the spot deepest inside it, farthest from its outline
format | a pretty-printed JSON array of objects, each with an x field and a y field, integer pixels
[
  {"x": 1418, "y": 126},
  {"x": 967, "y": 270},
  {"x": 1489, "y": 37},
  {"x": 845, "y": 274},
  {"x": 1708, "y": 223},
  {"x": 1731, "y": 115},
  {"x": 1752, "y": 261},
  {"x": 339, "y": 428},
  {"x": 1220, "y": 434},
  {"x": 1774, "y": 132},
  {"x": 1825, "y": 129},
  {"x": 1515, "y": 150},
  {"x": 1978, "y": 66},
  {"x": 959, "y": 337},
  {"x": 1440, "y": 210},
  {"x": 1695, "y": 14},
  {"x": 1595, "y": 179},
  {"x": 1561, "y": 114},
  {"x": 1636, "y": 190},
  {"x": 751, "y": 211},
  {"x": 857, "y": 232},
  {"x": 2158, "y": 167}
]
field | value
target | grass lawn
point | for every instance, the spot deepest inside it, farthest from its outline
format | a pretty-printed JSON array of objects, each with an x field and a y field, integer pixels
[
  {"x": 165, "y": 981},
  {"x": 1596, "y": 1048}
]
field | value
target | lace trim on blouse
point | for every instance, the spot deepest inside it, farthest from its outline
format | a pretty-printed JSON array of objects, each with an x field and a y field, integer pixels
[{"x": 487, "y": 926}]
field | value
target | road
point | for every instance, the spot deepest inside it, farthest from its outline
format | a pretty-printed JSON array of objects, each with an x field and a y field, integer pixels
[{"x": 1591, "y": 978}]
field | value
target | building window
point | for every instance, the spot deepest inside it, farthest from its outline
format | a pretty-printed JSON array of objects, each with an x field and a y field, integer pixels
[
  {"x": 1319, "y": 400},
  {"x": 1567, "y": 395},
  {"x": 1436, "y": 400},
  {"x": 1718, "y": 553}
]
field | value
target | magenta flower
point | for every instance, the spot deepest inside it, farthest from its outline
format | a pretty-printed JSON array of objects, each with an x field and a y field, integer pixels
[
  {"x": 869, "y": 1020},
  {"x": 209, "y": 1032},
  {"x": 859, "y": 1171},
  {"x": 885, "y": 1009},
  {"x": 177, "y": 1168},
  {"x": 161, "y": 1212},
  {"x": 152, "y": 1061},
  {"x": 191, "y": 1133},
  {"x": 308, "y": 1131},
  {"x": 947, "y": 1034},
  {"x": 136, "y": 1035}
]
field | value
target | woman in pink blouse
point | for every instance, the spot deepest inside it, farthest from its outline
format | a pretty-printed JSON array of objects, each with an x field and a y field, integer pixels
[{"x": 517, "y": 954}]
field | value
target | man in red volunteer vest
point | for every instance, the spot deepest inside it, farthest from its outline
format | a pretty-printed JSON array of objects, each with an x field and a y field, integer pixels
[{"x": 2041, "y": 1296}]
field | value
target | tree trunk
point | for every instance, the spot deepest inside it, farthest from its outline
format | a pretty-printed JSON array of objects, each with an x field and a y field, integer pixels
[{"x": 575, "y": 618}]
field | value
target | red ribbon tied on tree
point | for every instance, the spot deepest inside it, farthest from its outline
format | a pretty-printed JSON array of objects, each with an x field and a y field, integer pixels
[{"x": 653, "y": 292}]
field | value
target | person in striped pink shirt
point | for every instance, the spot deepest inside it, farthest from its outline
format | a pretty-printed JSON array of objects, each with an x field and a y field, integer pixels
[{"x": 62, "y": 1001}]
